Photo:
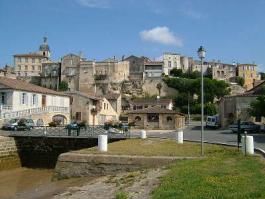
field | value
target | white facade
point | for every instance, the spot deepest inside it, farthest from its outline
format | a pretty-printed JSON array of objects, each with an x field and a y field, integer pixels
[
  {"x": 171, "y": 60},
  {"x": 15, "y": 100}
]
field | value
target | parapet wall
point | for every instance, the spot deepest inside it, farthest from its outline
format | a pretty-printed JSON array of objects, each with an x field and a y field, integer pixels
[{"x": 77, "y": 165}]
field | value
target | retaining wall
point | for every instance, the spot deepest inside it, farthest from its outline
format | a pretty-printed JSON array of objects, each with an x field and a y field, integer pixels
[{"x": 77, "y": 165}]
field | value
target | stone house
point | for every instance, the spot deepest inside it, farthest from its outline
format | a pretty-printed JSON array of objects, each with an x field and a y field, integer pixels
[
  {"x": 174, "y": 60},
  {"x": 156, "y": 118},
  {"x": 220, "y": 71},
  {"x": 91, "y": 109}
]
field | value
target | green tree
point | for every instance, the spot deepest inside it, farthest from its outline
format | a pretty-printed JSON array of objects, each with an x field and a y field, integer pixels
[
  {"x": 262, "y": 76},
  {"x": 159, "y": 87},
  {"x": 176, "y": 72},
  {"x": 257, "y": 107},
  {"x": 63, "y": 86},
  {"x": 240, "y": 81}
]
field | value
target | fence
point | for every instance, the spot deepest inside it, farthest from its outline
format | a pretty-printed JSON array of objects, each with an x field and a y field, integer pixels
[{"x": 64, "y": 132}]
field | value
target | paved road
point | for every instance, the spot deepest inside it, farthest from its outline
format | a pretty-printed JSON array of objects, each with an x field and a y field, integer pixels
[{"x": 193, "y": 132}]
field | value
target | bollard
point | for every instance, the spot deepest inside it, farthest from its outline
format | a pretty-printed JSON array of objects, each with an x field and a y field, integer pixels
[
  {"x": 179, "y": 136},
  {"x": 143, "y": 134},
  {"x": 103, "y": 143},
  {"x": 247, "y": 145}
]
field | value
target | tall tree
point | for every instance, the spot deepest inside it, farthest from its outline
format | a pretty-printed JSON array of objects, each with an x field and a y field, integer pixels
[{"x": 159, "y": 87}]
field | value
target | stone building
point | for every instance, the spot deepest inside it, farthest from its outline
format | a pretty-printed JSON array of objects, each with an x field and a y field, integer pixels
[
  {"x": 51, "y": 75},
  {"x": 137, "y": 104},
  {"x": 237, "y": 107},
  {"x": 84, "y": 107},
  {"x": 93, "y": 110},
  {"x": 136, "y": 67},
  {"x": 249, "y": 73},
  {"x": 174, "y": 60},
  {"x": 30, "y": 64},
  {"x": 153, "y": 69},
  {"x": 70, "y": 70},
  {"x": 221, "y": 71},
  {"x": 156, "y": 118}
]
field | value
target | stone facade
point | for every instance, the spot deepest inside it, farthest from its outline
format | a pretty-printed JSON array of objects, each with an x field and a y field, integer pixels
[
  {"x": 51, "y": 75},
  {"x": 225, "y": 72},
  {"x": 249, "y": 73},
  {"x": 156, "y": 118},
  {"x": 153, "y": 69},
  {"x": 232, "y": 108},
  {"x": 30, "y": 64}
]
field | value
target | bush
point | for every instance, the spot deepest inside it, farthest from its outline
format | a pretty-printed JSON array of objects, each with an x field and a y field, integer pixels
[
  {"x": 52, "y": 124},
  {"x": 240, "y": 81},
  {"x": 63, "y": 86}
]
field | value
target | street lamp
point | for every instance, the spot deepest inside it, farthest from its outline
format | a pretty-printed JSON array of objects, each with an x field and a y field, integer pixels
[
  {"x": 201, "y": 53},
  {"x": 94, "y": 112}
]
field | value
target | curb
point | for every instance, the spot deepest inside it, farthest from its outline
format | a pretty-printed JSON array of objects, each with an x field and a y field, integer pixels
[{"x": 257, "y": 150}]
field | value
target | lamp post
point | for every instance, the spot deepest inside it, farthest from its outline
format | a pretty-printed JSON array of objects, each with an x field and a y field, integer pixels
[
  {"x": 201, "y": 53},
  {"x": 93, "y": 111}
]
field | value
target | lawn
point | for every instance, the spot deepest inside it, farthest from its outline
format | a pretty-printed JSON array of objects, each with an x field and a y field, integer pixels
[
  {"x": 223, "y": 174},
  {"x": 152, "y": 147}
]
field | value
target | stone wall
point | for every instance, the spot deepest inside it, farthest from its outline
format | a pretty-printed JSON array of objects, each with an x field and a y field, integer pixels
[
  {"x": 77, "y": 165},
  {"x": 7, "y": 147}
]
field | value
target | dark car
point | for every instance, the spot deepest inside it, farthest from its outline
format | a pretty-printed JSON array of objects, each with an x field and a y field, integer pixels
[
  {"x": 250, "y": 127},
  {"x": 25, "y": 124}
]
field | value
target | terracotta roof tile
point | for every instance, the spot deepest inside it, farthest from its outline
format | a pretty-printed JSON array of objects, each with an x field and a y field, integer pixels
[
  {"x": 24, "y": 86},
  {"x": 151, "y": 101},
  {"x": 155, "y": 109}
]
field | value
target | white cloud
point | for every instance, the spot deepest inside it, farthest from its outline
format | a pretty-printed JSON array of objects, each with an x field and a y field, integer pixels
[
  {"x": 161, "y": 35},
  {"x": 94, "y": 3}
]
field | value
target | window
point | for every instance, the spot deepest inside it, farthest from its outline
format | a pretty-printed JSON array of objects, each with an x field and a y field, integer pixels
[
  {"x": 24, "y": 98},
  {"x": 137, "y": 118},
  {"x": 169, "y": 64},
  {"x": 33, "y": 60},
  {"x": 3, "y": 98},
  {"x": 34, "y": 99},
  {"x": 26, "y": 60},
  {"x": 26, "y": 67},
  {"x": 152, "y": 117},
  {"x": 33, "y": 67},
  {"x": 169, "y": 119},
  {"x": 19, "y": 67},
  {"x": 39, "y": 67},
  {"x": 104, "y": 106},
  {"x": 78, "y": 116},
  {"x": 26, "y": 74}
]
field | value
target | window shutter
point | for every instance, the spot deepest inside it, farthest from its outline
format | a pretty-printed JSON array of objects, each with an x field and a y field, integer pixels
[
  {"x": 26, "y": 98},
  {"x": 20, "y": 98}
]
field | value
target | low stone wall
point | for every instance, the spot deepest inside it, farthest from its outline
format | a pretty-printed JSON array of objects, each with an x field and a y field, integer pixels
[
  {"x": 77, "y": 165},
  {"x": 7, "y": 147}
]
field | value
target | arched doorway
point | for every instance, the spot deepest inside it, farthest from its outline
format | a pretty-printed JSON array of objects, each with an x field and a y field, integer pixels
[{"x": 59, "y": 119}]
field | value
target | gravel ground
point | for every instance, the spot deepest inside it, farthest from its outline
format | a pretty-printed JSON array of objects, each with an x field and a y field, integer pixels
[{"x": 138, "y": 184}]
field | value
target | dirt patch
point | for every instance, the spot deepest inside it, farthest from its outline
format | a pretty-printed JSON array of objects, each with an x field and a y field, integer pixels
[{"x": 137, "y": 184}]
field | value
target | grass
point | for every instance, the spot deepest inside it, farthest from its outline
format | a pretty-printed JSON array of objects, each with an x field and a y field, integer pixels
[
  {"x": 152, "y": 147},
  {"x": 121, "y": 195},
  {"x": 225, "y": 174}
]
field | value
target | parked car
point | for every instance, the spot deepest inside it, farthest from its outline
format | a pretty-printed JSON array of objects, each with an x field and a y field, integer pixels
[
  {"x": 250, "y": 127},
  {"x": 10, "y": 125},
  {"x": 212, "y": 121},
  {"x": 25, "y": 124}
]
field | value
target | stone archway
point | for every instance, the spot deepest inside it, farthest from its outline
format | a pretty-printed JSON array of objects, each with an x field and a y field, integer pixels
[{"x": 59, "y": 119}]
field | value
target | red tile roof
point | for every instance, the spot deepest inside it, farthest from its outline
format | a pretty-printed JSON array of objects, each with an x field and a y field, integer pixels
[
  {"x": 24, "y": 86},
  {"x": 151, "y": 101},
  {"x": 155, "y": 109}
]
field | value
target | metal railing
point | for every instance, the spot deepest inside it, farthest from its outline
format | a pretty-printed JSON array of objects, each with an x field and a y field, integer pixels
[
  {"x": 64, "y": 132},
  {"x": 28, "y": 112}
]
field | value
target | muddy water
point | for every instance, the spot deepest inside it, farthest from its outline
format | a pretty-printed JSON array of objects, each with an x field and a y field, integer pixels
[{"x": 24, "y": 183}]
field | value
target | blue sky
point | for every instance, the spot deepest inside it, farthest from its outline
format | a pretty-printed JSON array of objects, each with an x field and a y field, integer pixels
[{"x": 230, "y": 30}]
